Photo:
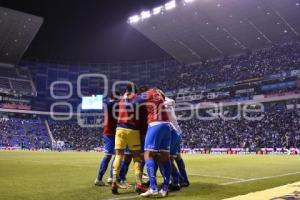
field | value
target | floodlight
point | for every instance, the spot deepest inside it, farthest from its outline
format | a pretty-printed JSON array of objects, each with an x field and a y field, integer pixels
[
  {"x": 157, "y": 10},
  {"x": 145, "y": 14},
  {"x": 134, "y": 19},
  {"x": 170, "y": 5}
]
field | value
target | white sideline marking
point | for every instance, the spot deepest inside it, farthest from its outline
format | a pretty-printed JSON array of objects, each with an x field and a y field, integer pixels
[
  {"x": 260, "y": 178},
  {"x": 216, "y": 176},
  {"x": 289, "y": 191},
  {"x": 124, "y": 198}
]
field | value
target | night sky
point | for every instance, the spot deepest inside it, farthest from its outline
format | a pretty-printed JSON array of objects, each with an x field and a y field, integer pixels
[{"x": 88, "y": 30}]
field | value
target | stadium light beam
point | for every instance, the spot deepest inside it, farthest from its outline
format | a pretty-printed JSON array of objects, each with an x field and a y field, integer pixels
[
  {"x": 170, "y": 5},
  {"x": 188, "y": 1},
  {"x": 157, "y": 10},
  {"x": 145, "y": 14},
  {"x": 134, "y": 19}
]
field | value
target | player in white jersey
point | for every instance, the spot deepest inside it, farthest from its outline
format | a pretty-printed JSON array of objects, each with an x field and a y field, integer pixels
[{"x": 178, "y": 178}]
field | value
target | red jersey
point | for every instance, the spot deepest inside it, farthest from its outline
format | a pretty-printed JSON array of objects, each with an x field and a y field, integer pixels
[
  {"x": 154, "y": 103},
  {"x": 127, "y": 113},
  {"x": 110, "y": 117}
]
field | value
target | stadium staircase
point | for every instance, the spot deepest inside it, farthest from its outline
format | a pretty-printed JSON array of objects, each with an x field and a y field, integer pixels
[{"x": 49, "y": 132}]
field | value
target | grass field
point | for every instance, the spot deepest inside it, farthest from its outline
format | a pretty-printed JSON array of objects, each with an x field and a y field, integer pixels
[{"x": 70, "y": 176}]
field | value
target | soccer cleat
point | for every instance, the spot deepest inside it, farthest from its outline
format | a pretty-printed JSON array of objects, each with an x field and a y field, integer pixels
[
  {"x": 163, "y": 193},
  {"x": 123, "y": 185},
  {"x": 99, "y": 183},
  {"x": 114, "y": 188},
  {"x": 109, "y": 181},
  {"x": 184, "y": 184},
  {"x": 139, "y": 188},
  {"x": 149, "y": 193},
  {"x": 174, "y": 187}
]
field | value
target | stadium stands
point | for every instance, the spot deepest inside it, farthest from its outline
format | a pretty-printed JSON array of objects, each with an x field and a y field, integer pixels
[
  {"x": 16, "y": 81},
  {"x": 74, "y": 136},
  {"x": 270, "y": 71},
  {"x": 276, "y": 59},
  {"x": 4, "y": 85},
  {"x": 23, "y": 87},
  {"x": 278, "y": 129},
  {"x": 25, "y": 133}
]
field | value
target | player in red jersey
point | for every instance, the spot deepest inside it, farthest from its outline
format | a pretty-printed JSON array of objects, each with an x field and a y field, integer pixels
[
  {"x": 128, "y": 135},
  {"x": 158, "y": 139},
  {"x": 109, "y": 130}
]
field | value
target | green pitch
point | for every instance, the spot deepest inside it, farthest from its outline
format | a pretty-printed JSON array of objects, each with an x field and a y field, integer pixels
[{"x": 70, "y": 176}]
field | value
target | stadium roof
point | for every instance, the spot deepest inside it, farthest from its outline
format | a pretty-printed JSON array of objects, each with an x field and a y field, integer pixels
[
  {"x": 17, "y": 30},
  {"x": 190, "y": 30}
]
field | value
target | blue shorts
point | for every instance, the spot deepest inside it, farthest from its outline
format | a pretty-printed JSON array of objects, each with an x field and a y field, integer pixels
[
  {"x": 109, "y": 144},
  {"x": 158, "y": 138},
  {"x": 175, "y": 143}
]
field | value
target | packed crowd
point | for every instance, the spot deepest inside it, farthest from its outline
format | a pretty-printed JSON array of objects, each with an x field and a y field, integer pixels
[
  {"x": 24, "y": 133},
  {"x": 277, "y": 129},
  {"x": 276, "y": 59},
  {"x": 74, "y": 136}
]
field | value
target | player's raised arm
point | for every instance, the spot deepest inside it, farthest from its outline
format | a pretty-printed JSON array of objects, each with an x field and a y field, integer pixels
[{"x": 139, "y": 99}]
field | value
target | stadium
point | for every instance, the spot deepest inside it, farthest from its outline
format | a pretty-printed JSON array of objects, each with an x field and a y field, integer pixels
[{"x": 135, "y": 99}]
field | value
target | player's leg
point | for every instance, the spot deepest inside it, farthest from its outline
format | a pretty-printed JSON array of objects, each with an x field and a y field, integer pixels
[
  {"x": 166, "y": 172},
  {"x": 165, "y": 163},
  {"x": 110, "y": 178},
  {"x": 158, "y": 138},
  {"x": 116, "y": 170},
  {"x": 143, "y": 163},
  {"x": 120, "y": 145},
  {"x": 175, "y": 184},
  {"x": 124, "y": 169},
  {"x": 182, "y": 171},
  {"x": 181, "y": 167},
  {"x": 174, "y": 151},
  {"x": 103, "y": 167},
  {"x": 108, "y": 151},
  {"x": 151, "y": 171},
  {"x": 134, "y": 144},
  {"x": 151, "y": 149}
]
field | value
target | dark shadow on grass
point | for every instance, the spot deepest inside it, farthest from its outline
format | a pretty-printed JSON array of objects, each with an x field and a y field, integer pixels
[{"x": 200, "y": 190}]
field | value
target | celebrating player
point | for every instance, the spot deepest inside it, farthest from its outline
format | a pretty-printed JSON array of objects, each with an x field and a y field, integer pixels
[
  {"x": 109, "y": 130},
  {"x": 178, "y": 178},
  {"x": 158, "y": 139},
  {"x": 128, "y": 134}
]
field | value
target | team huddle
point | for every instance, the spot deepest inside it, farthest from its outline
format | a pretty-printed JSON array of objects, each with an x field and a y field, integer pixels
[{"x": 141, "y": 127}]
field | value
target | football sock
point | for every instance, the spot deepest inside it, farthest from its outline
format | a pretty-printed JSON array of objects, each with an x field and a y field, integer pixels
[
  {"x": 111, "y": 168},
  {"x": 166, "y": 168},
  {"x": 137, "y": 170},
  {"x": 103, "y": 167},
  {"x": 150, "y": 164},
  {"x": 117, "y": 167},
  {"x": 182, "y": 170},
  {"x": 124, "y": 170},
  {"x": 175, "y": 174}
]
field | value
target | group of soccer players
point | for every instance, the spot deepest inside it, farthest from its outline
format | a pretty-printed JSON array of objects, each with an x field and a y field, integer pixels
[{"x": 141, "y": 126}]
